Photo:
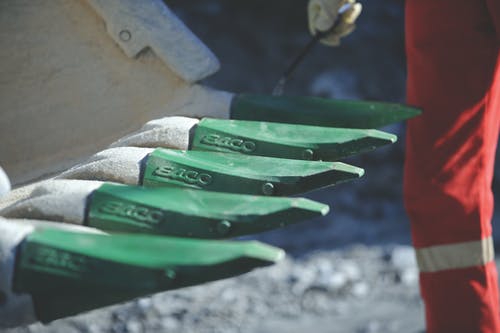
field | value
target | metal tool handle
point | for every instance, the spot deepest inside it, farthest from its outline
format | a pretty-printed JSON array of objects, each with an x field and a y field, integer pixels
[{"x": 280, "y": 86}]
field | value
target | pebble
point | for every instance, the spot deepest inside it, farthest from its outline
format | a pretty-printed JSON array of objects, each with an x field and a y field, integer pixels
[
  {"x": 350, "y": 269},
  {"x": 134, "y": 326},
  {"x": 145, "y": 304},
  {"x": 169, "y": 324},
  {"x": 404, "y": 261},
  {"x": 371, "y": 327},
  {"x": 409, "y": 276},
  {"x": 337, "y": 281},
  {"x": 360, "y": 289},
  {"x": 403, "y": 257}
]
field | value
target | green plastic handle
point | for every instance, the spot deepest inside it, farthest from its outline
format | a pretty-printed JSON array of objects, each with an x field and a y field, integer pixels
[
  {"x": 181, "y": 212},
  {"x": 319, "y": 111},
  {"x": 67, "y": 273},
  {"x": 285, "y": 140},
  {"x": 233, "y": 173}
]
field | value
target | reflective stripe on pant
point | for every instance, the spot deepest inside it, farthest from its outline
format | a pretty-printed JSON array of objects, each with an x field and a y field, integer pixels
[
  {"x": 453, "y": 74},
  {"x": 455, "y": 256}
]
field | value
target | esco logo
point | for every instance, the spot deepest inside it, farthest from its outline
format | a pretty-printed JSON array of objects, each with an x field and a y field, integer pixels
[
  {"x": 234, "y": 144},
  {"x": 190, "y": 177},
  {"x": 138, "y": 213},
  {"x": 60, "y": 260}
]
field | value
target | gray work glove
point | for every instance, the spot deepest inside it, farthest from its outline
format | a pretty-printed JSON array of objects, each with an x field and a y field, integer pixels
[
  {"x": 322, "y": 15},
  {"x": 4, "y": 183}
]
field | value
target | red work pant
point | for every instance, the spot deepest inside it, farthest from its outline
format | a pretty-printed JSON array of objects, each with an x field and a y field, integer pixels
[{"x": 454, "y": 76}]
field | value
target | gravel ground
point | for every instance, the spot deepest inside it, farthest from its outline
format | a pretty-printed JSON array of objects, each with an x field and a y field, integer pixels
[{"x": 352, "y": 271}]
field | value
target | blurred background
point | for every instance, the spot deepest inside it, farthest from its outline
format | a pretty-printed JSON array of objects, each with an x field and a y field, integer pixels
[{"x": 352, "y": 271}]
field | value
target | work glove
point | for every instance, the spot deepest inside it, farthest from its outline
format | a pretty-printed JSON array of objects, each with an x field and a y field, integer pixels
[
  {"x": 4, "y": 183},
  {"x": 323, "y": 14}
]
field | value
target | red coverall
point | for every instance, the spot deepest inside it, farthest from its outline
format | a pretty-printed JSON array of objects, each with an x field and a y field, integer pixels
[{"x": 454, "y": 76}]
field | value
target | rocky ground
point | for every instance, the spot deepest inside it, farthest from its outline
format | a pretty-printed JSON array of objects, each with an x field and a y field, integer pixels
[{"x": 353, "y": 271}]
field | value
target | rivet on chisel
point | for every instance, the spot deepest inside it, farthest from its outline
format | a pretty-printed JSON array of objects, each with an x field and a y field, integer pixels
[
  {"x": 268, "y": 189},
  {"x": 308, "y": 154},
  {"x": 170, "y": 274},
  {"x": 223, "y": 227}
]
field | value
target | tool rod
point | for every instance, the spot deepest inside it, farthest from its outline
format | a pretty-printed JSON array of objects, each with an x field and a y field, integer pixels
[{"x": 280, "y": 86}]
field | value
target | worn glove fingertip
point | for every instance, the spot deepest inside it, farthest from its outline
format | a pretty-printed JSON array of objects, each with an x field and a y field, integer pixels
[
  {"x": 352, "y": 14},
  {"x": 347, "y": 30},
  {"x": 332, "y": 40},
  {"x": 322, "y": 14},
  {"x": 313, "y": 10},
  {"x": 5, "y": 186}
]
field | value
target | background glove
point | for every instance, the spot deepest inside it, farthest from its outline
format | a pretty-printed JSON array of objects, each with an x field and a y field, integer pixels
[{"x": 322, "y": 15}]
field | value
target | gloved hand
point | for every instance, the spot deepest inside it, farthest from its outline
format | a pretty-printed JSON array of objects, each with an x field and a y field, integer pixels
[{"x": 323, "y": 14}]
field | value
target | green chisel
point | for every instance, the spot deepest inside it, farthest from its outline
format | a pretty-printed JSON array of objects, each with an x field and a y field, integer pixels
[
  {"x": 319, "y": 111},
  {"x": 171, "y": 211},
  {"x": 257, "y": 138},
  {"x": 211, "y": 171},
  {"x": 48, "y": 273}
]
